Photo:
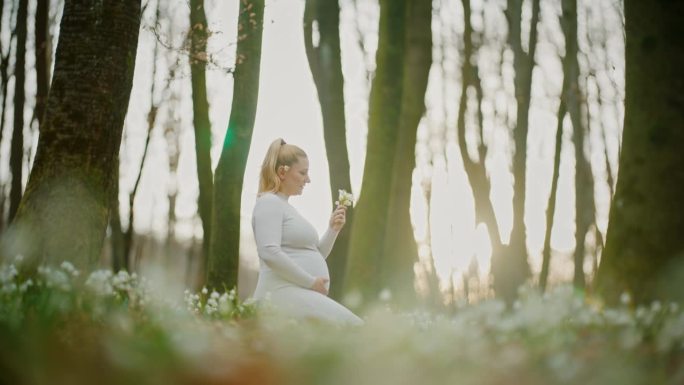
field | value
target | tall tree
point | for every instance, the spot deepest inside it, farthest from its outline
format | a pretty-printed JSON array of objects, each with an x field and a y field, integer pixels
[
  {"x": 64, "y": 212},
  {"x": 17, "y": 145},
  {"x": 510, "y": 269},
  {"x": 325, "y": 62},
  {"x": 368, "y": 231},
  {"x": 551, "y": 205},
  {"x": 644, "y": 252},
  {"x": 224, "y": 246},
  {"x": 572, "y": 93},
  {"x": 400, "y": 251},
  {"x": 42, "y": 52},
  {"x": 476, "y": 169},
  {"x": 200, "y": 118}
]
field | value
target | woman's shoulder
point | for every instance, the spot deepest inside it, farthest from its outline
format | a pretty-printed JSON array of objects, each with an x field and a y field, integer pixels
[{"x": 268, "y": 198}]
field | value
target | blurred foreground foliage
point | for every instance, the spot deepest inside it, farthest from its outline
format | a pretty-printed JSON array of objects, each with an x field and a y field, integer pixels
[{"x": 57, "y": 326}]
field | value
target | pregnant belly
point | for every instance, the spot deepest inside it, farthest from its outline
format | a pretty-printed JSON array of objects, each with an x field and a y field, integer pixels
[{"x": 311, "y": 261}]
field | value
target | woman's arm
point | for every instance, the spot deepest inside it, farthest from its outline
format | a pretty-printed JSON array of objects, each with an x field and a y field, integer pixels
[
  {"x": 337, "y": 221},
  {"x": 268, "y": 228},
  {"x": 325, "y": 244}
]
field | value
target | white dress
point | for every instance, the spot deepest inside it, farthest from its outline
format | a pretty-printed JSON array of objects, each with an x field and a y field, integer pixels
[{"x": 291, "y": 258}]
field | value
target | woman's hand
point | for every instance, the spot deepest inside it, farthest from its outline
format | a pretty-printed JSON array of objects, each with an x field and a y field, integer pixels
[
  {"x": 320, "y": 284},
  {"x": 338, "y": 218}
]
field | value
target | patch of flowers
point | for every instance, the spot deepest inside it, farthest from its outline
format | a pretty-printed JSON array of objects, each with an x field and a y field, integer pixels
[
  {"x": 210, "y": 336},
  {"x": 216, "y": 305}
]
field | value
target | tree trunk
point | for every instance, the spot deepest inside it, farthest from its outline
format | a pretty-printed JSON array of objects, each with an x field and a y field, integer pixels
[
  {"x": 224, "y": 250},
  {"x": 64, "y": 212},
  {"x": 201, "y": 123},
  {"x": 400, "y": 252},
  {"x": 644, "y": 251},
  {"x": 572, "y": 94},
  {"x": 17, "y": 145},
  {"x": 367, "y": 238},
  {"x": 43, "y": 52},
  {"x": 325, "y": 62},
  {"x": 551, "y": 205},
  {"x": 119, "y": 261},
  {"x": 475, "y": 170},
  {"x": 511, "y": 269}
]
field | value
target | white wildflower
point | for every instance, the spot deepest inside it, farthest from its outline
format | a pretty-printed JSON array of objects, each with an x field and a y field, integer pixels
[
  {"x": 8, "y": 274},
  {"x": 385, "y": 295},
  {"x": 69, "y": 268},
  {"x": 99, "y": 282},
  {"x": 625, "y": 298},
  {"x": 344, "y": 198}
]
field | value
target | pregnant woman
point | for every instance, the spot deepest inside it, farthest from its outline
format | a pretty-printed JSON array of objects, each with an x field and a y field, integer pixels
[{"x": 293, "y": 271}]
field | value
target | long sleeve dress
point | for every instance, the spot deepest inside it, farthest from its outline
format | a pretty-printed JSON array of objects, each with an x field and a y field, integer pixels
[{"x": 291, "y": 258}]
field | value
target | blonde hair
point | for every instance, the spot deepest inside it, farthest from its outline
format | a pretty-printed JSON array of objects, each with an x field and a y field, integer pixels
[{"x": 279, "y": 154}]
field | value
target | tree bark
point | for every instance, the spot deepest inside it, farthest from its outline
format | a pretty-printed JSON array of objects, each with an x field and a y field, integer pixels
[
  {"x": 17, "y": 145},
  {"x": 119, "y": 261},
  {"x": 644, "y": 251},
  {"x": 200, "y": 120},
  {"x": 64, "y": 212},
  {"x": 325, "y": 62},
  {"x": 367, "y": 238},
  {"x": 551, "y": 205},
  {"x": 43, "y": 53},
  {"x": 224, "y": 250},
  {"x": 401, "y": 251},
  {"x": 572, "y": 94}
]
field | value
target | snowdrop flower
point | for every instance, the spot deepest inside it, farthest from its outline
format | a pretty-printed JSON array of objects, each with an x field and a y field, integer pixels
[
  {"x": 99, "y": 282},
  {"x": 8, "y": 274},
  {"x": 54, "y": 278},
  {"x": 69, "y": 268},
  {"x": 385, "y": 295},
  {"x": 625, "y": 298},
  {"x": 344, "y": 199}
]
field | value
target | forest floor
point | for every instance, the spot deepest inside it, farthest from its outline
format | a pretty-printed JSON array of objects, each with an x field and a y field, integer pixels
[{"x": 61, "y": 327}]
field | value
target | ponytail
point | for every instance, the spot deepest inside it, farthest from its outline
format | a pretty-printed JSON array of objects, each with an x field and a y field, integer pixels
[{"x": 278, "y": 154}]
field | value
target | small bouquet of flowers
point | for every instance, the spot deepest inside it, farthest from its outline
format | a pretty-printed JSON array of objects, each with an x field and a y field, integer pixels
[{"x": 344, "y": 199}]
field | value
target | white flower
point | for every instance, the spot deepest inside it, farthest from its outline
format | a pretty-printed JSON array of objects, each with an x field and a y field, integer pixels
[
  {"x": 8, "y": 273},
  {"x": 99, "y": 282},
  {"x": 344, "y": 199},
  {"x": 625, "y": 298},
  {"x": 69, "y": 268},
  {"x": 204, "y": 290},
  {"x": 385, "y": 295}
]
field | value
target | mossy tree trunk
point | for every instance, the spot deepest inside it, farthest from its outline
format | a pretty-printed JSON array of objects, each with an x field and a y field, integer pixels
[
  {"x": 224, "y": 249},
  {"x": 325, "y": 62},
  {"x": 64, "y": 212},
  {"x": 644, "y": 252},
  {"x": 400, "y": 251},
  {"x": 200, "y": 119},
  {"x": 370, "y": 221}
]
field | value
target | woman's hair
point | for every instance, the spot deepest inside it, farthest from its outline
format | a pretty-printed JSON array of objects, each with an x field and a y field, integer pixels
[{"x": 279, "y": 154}]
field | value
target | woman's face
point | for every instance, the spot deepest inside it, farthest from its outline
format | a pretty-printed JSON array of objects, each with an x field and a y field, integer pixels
[{"x": 293, "y": 180}]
